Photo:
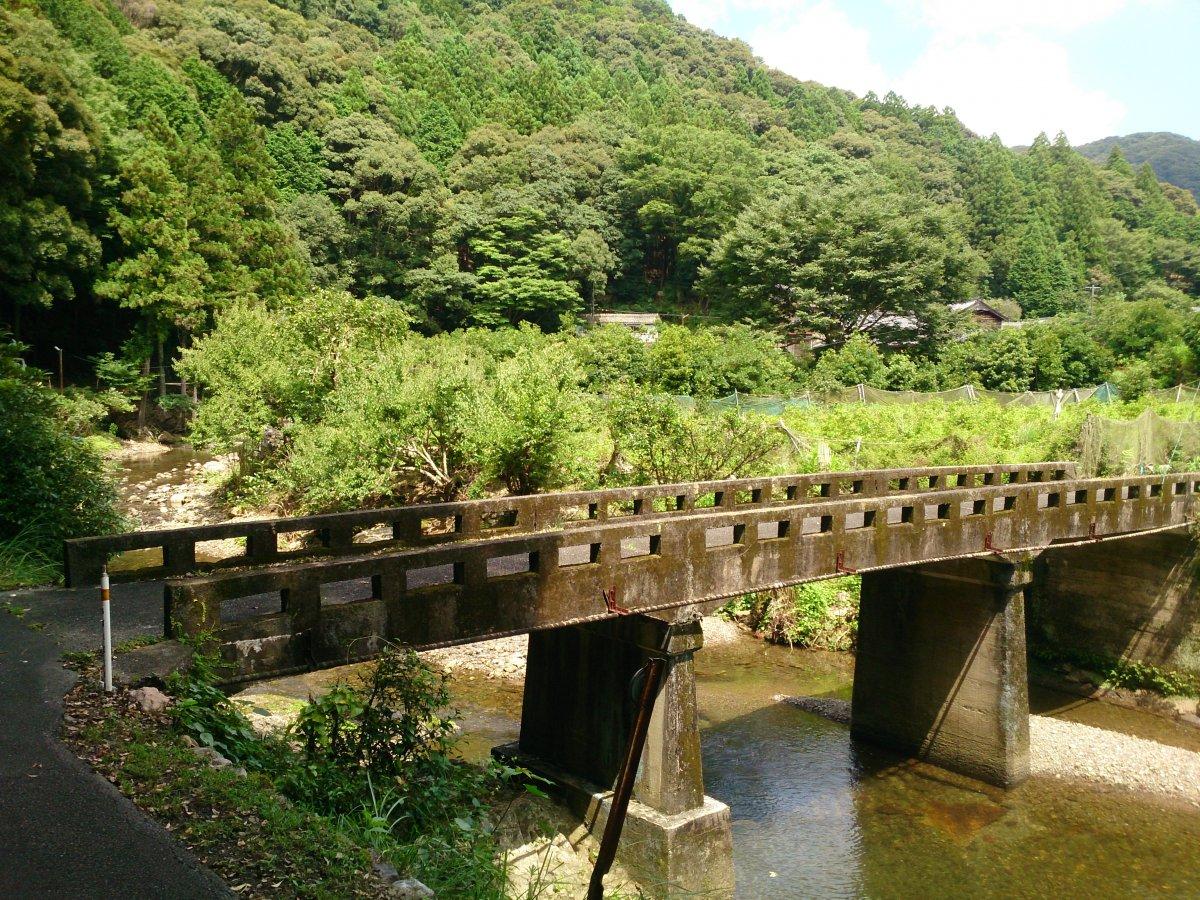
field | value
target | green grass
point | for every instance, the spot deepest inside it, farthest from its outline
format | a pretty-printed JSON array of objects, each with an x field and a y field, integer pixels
[
  {"x": 261, "y": 844},
  {"x": 24, "y": 564}
]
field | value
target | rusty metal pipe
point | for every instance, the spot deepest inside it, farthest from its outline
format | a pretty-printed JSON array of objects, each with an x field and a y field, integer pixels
[{"x": 624, "y": 787}]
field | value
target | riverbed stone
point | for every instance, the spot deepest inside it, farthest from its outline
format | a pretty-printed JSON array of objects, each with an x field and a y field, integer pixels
[
  {"x": 213, "y": 757},
  {"x": 410, "y": 889}
]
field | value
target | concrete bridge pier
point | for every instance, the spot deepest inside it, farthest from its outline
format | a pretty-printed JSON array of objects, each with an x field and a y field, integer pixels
[
  {"x": 940, "y": 672},
  {"x": 577, "y": 714}
]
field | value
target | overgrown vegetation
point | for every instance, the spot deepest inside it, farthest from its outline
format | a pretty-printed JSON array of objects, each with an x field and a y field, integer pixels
[
  {"x": 485, "y": 165},
  {"x": 52, "y": 483},
  {"x": 333, "y": 403},
  {"x": 374, "y": 759},
  {"x": 820, "y": 615},
  {"x": 1120, "y": 673},
  {"x": 258, "y": 841}
]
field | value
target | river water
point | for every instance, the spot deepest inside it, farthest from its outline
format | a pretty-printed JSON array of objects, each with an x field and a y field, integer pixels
[{"x": 815, "y": 815}]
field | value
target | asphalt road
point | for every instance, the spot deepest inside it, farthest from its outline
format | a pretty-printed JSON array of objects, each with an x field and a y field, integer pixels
[{"x": 64, "y": 831}]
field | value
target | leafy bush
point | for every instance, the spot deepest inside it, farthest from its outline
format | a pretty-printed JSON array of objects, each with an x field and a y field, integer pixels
[
  {"x": 820, "y": 615},
  {"x": 203, "y": 711},
  {"x": 715, "y": 362},
  {"x": 610, "y": 356},
  {"x": 659, "y": 442},
  {"x": 52, "y": 485},
  {"x": 375, "y": 756},
  {"x": 393, "y": 726},
  {"x": 858, "y": 361},
  {"x": 267, "y": 368}
]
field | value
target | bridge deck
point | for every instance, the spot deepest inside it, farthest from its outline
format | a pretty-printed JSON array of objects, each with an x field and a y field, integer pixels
[
  {"x": 275, "y": 540},
  {"x": 676, "y": 565}
]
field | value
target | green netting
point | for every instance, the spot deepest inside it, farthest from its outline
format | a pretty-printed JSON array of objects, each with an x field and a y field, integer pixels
[
  {"x": 1148, "y": 443},
  {"x": 864, "y": 393},
  {"x": 1183, "y": 393}
]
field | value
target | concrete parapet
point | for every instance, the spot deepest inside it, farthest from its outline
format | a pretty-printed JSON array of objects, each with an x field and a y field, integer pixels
[{"x": 941, "y": 670}]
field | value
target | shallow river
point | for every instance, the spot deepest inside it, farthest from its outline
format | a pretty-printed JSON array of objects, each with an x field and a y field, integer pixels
[{"x": 815, "y": 815}]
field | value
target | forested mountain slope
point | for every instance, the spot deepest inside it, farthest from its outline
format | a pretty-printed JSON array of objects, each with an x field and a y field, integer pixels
[
  {"x": 485, "y": 163},
  {"x": 1173, "y": 157}
]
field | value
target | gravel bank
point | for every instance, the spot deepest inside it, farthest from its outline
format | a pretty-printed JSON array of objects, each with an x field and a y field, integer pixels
[
  {"x": 504, "y": 658},
  {"x": 1071, "y": 751}
]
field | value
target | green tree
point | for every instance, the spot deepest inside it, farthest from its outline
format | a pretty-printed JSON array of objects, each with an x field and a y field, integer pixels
[
  {"x": 1039, "y": 279},
  {"x": 390, "y": 197},
  {"x": 851, "y": 258},
  {"x": 49, "y": 161}
]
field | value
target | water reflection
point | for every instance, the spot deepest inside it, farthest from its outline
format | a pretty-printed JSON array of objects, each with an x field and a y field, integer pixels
[{"x": 818, "y": 816}]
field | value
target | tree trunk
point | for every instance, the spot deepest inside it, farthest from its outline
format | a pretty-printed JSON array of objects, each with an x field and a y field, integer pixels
[
  {"x": 184, "y": 341},
  {"x": 144, "y": 403},
  {"x": 162, "y": 369}
]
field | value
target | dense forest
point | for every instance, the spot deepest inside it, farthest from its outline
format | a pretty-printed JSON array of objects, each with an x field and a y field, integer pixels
[
  {"x": 1173, "y": 157},
  {"x": 490, "y": 163}
]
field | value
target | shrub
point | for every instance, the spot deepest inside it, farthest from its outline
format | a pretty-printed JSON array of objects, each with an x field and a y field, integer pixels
[
  {"x": 374, "y": 756},
  {"x": 662, "y": 443},
  {"x": 715, "y": 362},
  {"x": 610, "y": 356},
  {"x": 1133, "y": 380},
  {"x": 858, "y": 361},
  {"x": 267, "y": 368},
  {"x": 531, "y": 421},
  {"x": 820, "y": 615},
  {"x": 52, "y": 485}
]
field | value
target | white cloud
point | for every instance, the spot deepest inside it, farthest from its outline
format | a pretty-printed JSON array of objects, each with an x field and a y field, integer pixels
[
  {"x": 819, "y": 43},
  {"x": 705, "y": 13},
  {"x": 973, "y": 18},
  {"x": 1002, "y": 65},
  {"x": 1015, "y": 86}
]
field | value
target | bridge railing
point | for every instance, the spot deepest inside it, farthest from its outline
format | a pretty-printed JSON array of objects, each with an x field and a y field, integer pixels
[
  {"x": 330, "y": 611},
  {"x": 263, "y": 541}
]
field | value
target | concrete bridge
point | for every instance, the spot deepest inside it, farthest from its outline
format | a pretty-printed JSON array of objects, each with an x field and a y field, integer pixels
[{"x": 602, "y": 580}]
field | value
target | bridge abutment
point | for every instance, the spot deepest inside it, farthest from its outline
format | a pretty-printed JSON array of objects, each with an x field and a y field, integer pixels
[
  {"x": 576, "y": 718},
  {"x": 940, "y": 672}
]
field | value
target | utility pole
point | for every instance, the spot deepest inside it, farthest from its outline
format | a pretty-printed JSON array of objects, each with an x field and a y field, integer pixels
[
  {"x": 1092, "y": 288},
  {"x": 60, "y": 369}
]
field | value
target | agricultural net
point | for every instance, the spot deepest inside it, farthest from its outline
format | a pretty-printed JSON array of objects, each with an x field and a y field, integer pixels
[
  {"x": 864, "y": 393},
  {"x": 1146, "y": 444}
]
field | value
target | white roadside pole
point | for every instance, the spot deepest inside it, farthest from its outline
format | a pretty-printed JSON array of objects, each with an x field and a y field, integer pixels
[{"x": 104, "y": 604}]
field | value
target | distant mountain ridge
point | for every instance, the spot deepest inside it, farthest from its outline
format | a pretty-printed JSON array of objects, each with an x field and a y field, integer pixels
[{"x": 1173, "y": 157}]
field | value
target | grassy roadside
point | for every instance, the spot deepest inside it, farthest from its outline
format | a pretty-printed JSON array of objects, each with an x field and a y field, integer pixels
[
  {"x": 362, "y": 790},
  {"x": 257, "y": 841}
]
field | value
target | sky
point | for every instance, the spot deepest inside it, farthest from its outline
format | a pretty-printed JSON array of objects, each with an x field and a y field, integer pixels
[{"x": 1089, "y": 68}]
